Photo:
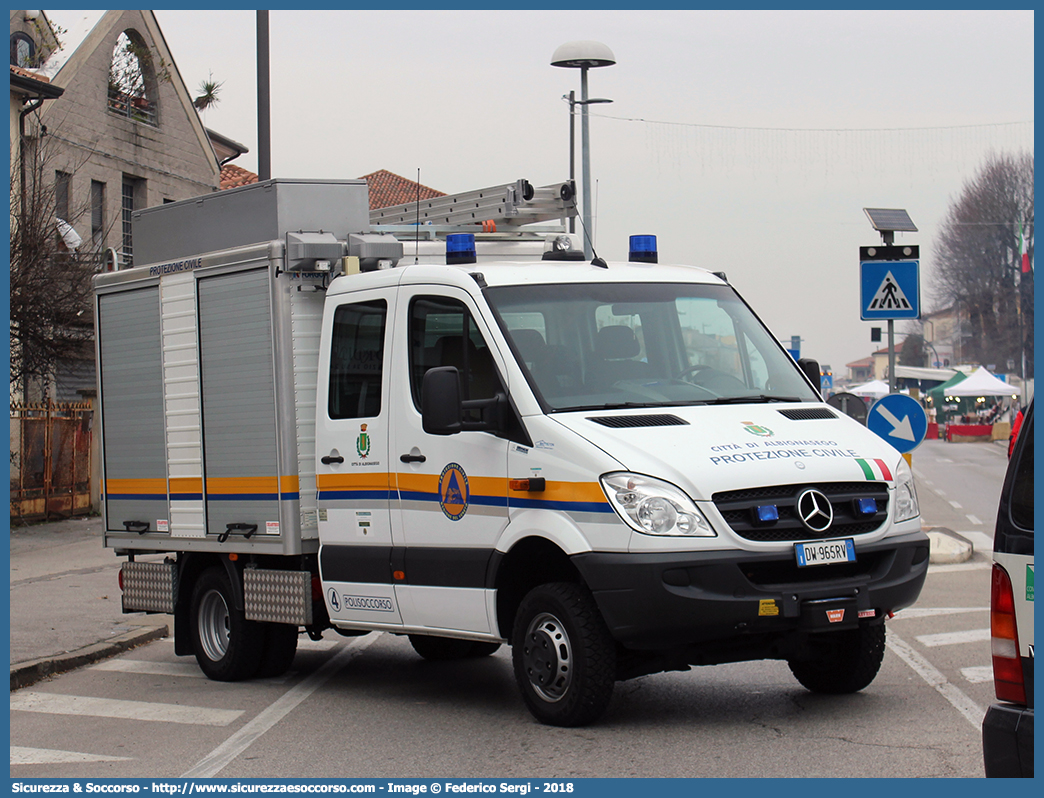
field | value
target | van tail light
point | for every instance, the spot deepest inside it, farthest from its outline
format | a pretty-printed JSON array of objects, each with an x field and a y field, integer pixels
[
  {"x": 1004, "y": 640},
  {"x": 120, "y": 580}
]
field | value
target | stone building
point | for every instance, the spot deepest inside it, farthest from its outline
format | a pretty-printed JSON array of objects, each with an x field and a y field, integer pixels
[{"x": 123, "y": 135}]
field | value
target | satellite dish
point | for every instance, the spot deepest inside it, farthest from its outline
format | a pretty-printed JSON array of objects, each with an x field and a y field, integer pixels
[{"x": 850, "y": 405}]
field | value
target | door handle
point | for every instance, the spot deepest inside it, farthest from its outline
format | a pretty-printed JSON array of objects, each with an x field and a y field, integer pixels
[
  {"x": 412, "y": 458},
  {"x": 331, "y": 458}
]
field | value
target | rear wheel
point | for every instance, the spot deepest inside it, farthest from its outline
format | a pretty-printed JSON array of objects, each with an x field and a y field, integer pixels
[
  {"x": 842, "y": 662},
  {"x": 564, "y": 656},
  {"x": 227, "y": 646},
  {"x": 448, "y": 648}
]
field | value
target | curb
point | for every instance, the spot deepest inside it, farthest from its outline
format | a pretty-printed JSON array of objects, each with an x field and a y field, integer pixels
[
  {"x": 24, "y": 674},
  {"x": 948, "y": 547}
]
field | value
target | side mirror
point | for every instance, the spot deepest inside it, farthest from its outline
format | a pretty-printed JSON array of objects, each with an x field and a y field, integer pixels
[
  {"x": 440, "y": 401},
  {"x": 810, "y": 368}
]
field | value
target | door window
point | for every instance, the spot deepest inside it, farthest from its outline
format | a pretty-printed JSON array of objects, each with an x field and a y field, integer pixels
[
  {"x": 356, "y": 358},
  {"x": 443, "y": 333}
]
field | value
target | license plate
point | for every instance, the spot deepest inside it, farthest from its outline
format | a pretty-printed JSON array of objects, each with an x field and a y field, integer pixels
[{"x": 824, "y": 552}]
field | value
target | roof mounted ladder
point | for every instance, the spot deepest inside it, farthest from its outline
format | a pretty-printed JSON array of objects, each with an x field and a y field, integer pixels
[{"x": 510, "y": 205}]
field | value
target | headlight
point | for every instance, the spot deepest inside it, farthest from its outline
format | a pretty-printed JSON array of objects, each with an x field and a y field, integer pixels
[
  {"x": 654, "y": 507},
  {"x": 905, "y": 493}
]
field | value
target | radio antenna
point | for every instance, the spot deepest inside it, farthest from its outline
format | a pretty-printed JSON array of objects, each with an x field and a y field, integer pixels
[{"x": 416, "y": 235}]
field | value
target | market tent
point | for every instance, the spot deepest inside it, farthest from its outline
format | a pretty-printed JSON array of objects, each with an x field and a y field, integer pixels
[
  {"x": 874, "y": 388},
  {"x": 982, "y": 383},
  {"x": 940, "y": 392}
]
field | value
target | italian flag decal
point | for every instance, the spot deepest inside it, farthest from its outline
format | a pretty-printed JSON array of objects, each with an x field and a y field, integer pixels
[{"x": 875, "y": 469}]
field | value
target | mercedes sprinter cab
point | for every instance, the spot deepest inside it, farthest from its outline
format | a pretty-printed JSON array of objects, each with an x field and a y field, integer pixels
[{"x": 614, "y": 467}]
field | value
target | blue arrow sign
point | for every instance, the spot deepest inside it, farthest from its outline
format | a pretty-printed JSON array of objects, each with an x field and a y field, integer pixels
[
  {"x": 889, "y": 289},
  {"x": 900, "y": 420}
]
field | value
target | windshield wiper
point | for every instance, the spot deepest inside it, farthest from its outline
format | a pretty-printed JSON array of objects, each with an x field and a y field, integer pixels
[
  {"x": 753, "y": 399},
  {"x": 607, "y": 406}
]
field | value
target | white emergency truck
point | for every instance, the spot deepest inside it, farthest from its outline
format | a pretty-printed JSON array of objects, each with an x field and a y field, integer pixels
[{"x": 613, "y": 467}]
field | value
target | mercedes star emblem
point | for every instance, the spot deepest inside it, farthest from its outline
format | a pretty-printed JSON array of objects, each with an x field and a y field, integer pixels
[{"x": 814, "y": 510}]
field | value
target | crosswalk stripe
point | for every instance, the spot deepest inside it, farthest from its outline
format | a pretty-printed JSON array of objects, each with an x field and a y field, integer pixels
[
  {"x": 982, "y": 542},
  {"x": 214, "y": 762},
  {"x": 118, "y": 708},
  {"x": 954, "y": 638},
  {"x": 151, "y": 668},
  {"x": 931, "y": 612},
  {"x": 45, "y": 756},
  {"x": 978, "y": 673},
  {"x": 971, "y": 711}
]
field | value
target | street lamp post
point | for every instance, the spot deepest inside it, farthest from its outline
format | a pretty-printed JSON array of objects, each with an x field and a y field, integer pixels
[
  {"x": 584, "y": 55},
  {"x": 573, "y": 102}
]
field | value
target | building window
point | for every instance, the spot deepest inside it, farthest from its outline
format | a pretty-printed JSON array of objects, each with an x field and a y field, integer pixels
[
  {"x": 97, "y": 215},
  {"x": 62, "y": 189},
  {"x": 133, "y": 197},
  {"x": 132, "y": 80},
  {"x": 23, "y": 51}
]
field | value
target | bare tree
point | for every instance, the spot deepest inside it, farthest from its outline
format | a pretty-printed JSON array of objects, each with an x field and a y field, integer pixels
[
  {"x": 979, "y": 262},
  {"x": 51, "y": 319}
]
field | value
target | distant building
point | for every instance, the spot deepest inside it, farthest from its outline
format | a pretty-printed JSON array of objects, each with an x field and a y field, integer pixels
[{"x": 860, "y": 371}]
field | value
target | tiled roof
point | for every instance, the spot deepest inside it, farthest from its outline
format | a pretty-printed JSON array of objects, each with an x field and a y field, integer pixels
[
  {"x": 387, "y": 189},
  {"x": 26, "y": 73},
  {"x": 866, "y": 362},
  {"x": 233, "y": 176}
]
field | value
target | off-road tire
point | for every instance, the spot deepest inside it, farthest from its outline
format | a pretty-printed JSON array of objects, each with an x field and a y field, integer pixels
[
  {"x": 279, "y": 651},
  {"x": 228, "y": 647},
  {"x": 441, "y": 649},
  {"x": 564, "y": 657},
  {"x": 843, "y": 662}
]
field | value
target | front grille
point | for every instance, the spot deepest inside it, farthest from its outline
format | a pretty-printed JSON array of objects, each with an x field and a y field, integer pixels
[
  {"x": 737, "y": 508},
  {"x": 619, "y": 422}
]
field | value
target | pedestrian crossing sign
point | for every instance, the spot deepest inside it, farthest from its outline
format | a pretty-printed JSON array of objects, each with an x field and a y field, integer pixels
[{"x": 889, "y": 289}]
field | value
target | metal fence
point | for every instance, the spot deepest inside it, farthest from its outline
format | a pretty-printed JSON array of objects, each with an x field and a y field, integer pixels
[{"x": 50, "y": 460}]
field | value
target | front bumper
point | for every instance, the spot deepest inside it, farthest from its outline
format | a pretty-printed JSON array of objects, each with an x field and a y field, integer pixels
[
  {"x": 1007, "y": 741},
  {"x": 664, "y": 601}
]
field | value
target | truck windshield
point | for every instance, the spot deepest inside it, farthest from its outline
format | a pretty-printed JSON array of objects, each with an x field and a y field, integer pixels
[{"x": 605, "y": 345}]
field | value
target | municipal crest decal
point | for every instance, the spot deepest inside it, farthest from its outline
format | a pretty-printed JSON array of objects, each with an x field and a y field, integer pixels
[
  {"x": 754, "y": 429},
  {"x": 362, "y": 443}
]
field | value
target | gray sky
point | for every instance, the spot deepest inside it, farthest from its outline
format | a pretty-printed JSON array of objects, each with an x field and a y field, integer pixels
[{"x": 747, "y": 142}]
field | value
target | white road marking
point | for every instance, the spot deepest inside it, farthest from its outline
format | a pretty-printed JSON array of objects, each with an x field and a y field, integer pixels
[
  {"x": 955, "y": 505},
  {"x": 304, "y": 643},
  {"x": 45, "y": 756},
  {"x": 973, "y": 519},
  {"x": 977, "y": 674},
  {"x": 954, "y": 638},
  {"x": 971, "y": 711},
  {"x": 190, "y": 669},
  {"x": 960, "y": 566},
  {"x": 214, "y": 762},
  {"x": 980, "y": 540},
  {"x": 919, "y": 612},
  {"x": 55, "y": 704}
]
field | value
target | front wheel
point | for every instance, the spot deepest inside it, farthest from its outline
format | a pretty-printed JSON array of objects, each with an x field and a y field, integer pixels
[
  {"x": 842, "y": 662},
  {"x": 228, "y": 647},
  {"x": 563, "y": 654}
]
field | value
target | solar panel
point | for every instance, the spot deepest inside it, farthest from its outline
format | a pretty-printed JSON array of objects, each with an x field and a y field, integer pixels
[{"x": 890, "y": 219}]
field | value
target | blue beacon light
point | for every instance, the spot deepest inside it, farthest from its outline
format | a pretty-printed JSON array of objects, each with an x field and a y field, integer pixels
[
  {"x": 460, "y": 248},
  {"x": 642, "y": 249}
]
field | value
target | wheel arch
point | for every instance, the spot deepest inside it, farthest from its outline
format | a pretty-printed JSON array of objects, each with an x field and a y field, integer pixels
[{"x": 533, "y": 560}]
